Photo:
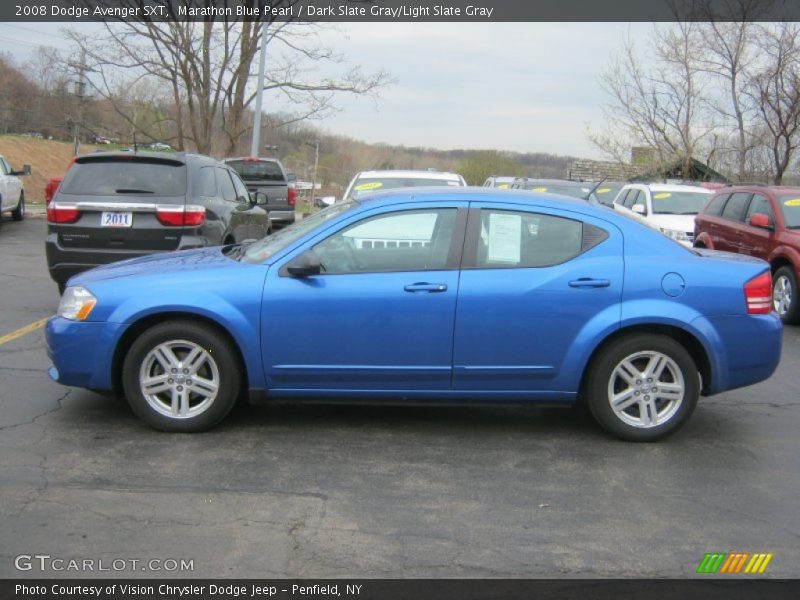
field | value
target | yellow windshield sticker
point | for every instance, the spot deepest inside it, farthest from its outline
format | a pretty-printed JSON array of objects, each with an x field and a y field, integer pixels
[
  {"x": 372, "y": 185},
  {"x": 503, "y": 186},
  {"x": 661, "y": 195},
  {"x": 792, "y": 202},
  {"x": 603, "y": 190},
  {"x": 539, "y": 189}
]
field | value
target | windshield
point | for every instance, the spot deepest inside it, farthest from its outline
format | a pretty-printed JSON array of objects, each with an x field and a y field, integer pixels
[
  {"x": 252, "y": 170},
  {"x": 121, "y": 177},
  {"x": 261, "y": 250},
  {"x": 573, "y": 191},
  {"x": 607, "y": 192},
  {"x": 679, "y": 203},
  {"x": 369, "y": 185},
  {"x": 790, "y": 209}
]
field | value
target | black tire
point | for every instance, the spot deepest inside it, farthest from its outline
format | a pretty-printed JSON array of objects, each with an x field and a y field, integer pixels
[
  {"x": 633, "y": 423},
  {"x": 18, "y": 214},
  {"x": 139, "y": 361},
  {"x": 785, "y": 298}
]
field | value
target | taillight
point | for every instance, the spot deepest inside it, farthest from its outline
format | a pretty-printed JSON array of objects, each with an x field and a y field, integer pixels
[
  {"x": 50, "y": 189},
  {"x": 290, "y": 199},
  {"x": 62, "y": 213},
  {"x": 181, "y": 216},
  {"x": 758, "y": 294}
]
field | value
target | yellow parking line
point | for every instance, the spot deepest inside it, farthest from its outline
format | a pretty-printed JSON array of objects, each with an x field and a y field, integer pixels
[{"x": 23, "y": 331}]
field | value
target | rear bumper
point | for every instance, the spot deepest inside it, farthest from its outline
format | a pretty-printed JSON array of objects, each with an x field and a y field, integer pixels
[
  {"x": 82, "y": 352},
  {"x": 63, "y": 262},
  {"x": 282, "y": 216},
  {"x": 745, "y": 349}
]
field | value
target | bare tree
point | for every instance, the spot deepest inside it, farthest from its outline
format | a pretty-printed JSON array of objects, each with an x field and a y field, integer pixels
[
  {"x": 775, "y": 89},
  {"x": 659, "y": 104},
  {"x": 206, "y": 66}
]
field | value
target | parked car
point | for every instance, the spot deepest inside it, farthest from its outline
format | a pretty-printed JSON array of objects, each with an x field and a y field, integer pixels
[
  {"x": 159, "y": 146},
  {"x": 761, "y": 221},
  {"x": 115, "y": 205},
  {"x": 499, "y": 182},
  {"x": 267, "y": 175},
  {"x": 12, "y": 191},
  {"x": 558, "y": 301},
  {"x": 368, "y": 182},
  {"x": 564, "y": 187},
  {"x": 669, "y": 208}
]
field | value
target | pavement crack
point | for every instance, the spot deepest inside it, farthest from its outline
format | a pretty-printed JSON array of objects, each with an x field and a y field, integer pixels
[{"x": 32, "y": 421}]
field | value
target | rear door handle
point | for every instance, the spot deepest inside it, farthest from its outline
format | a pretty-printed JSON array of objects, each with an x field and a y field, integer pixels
[
  {"x": 431, "y": 288},
  {"x": 586, "y": 282}
]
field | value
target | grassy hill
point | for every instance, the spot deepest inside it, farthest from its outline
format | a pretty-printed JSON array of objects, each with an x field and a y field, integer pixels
[{"x": 47, "y": 159}]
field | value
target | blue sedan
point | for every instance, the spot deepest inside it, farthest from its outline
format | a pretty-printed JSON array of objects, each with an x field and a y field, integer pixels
[{"x": 468, "y": 295}]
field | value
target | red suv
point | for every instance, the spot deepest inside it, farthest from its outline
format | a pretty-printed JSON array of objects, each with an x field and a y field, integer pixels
[{"x": 762, "y": 221}]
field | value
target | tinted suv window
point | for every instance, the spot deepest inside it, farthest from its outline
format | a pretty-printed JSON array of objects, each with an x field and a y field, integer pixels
[
  {"x": 714, "y": 207},
  {"x": 734, "y": 209},
  {"x": 206, "y": 182},
  {"x": 416, "y": 240},
  {"x": 242, "y": 195},
  {"x": 251, "y": 170},
  {"x": 121, "y": 177},
  {"x": 226, "y": 185},
  {"x": 523, "y": 239}
]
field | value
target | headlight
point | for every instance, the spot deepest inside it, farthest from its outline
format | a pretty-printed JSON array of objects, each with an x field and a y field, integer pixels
[
  {"x": 678, "y": 236},
  {"x": 76, "y": 304}
]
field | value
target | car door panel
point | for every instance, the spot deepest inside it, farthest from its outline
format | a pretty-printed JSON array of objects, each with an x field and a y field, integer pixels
[
  {"x": 350, "y": 330},
  {"x": 515, "y": 327}
]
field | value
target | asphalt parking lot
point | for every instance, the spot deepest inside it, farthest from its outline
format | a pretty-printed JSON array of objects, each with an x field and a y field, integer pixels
[{"x": 343, "y": 491}]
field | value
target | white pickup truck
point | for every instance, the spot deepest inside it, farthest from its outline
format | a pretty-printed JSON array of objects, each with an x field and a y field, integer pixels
[{"x": 12, "y": 192}]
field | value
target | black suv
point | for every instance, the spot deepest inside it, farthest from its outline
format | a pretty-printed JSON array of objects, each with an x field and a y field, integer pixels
[
  {"x": 117, "y": 205},
  {"x": 267, "y": 175}
]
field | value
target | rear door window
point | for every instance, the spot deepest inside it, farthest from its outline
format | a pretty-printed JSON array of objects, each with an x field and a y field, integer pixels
[
  {"x": 207, "y": 182},
  {"x": 735, "y": 208},
  {"x": 257, "y": 170},
  {"x": 714, "y": 207},
  {"x": 125, "y": 177}
]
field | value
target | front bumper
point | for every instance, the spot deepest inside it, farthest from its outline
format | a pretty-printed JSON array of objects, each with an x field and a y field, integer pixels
[{"x": 82, "y": 352}]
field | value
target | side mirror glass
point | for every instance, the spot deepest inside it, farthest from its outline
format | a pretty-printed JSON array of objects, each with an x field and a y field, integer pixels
[
  {"x": 760, "y": 220},
  {"x": 258, "y": 198},
  {"x": 639, "y": 209},
  {"x": 305, "y": 265}
]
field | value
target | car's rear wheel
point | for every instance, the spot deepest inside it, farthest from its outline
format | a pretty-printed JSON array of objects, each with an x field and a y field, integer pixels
[
  {"x": 643, "y": 387},
  {"x": 784, "y": 295},
  {"x": 181, "y": 376},
  {"x": 18, "y": 214}
]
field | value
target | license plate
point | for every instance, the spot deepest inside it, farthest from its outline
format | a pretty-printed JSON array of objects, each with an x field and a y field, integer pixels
[{"x": 116, "y": 219}]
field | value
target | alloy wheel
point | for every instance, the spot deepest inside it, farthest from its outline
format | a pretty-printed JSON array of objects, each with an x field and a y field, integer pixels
[{"x": 782, "y": 295}]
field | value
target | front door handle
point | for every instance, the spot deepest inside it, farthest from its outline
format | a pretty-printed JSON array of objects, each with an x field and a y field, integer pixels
[
  {"x": 422, "y": 286},
  {"x": 586, "y": 282}
]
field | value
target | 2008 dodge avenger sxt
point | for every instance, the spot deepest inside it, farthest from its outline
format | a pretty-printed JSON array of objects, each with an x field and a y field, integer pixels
[{"x": 427, "y": 296}]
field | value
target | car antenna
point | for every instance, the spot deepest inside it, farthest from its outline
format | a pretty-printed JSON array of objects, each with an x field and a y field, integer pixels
[{"x": 594, "y": 189}]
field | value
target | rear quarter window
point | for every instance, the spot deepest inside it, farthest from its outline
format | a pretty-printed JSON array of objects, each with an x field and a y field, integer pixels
[{"x": 125, "y": 178}]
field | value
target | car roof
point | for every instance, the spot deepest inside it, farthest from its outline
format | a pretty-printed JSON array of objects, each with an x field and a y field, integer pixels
[
  {"x": 400, "y": 174},
  {"x": 777, "y": 190},
  {"x": 673, "y": 187}
]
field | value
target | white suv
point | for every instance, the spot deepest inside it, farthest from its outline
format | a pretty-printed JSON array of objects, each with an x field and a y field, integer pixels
[
  {"x": 669, "y": 208},
  {"x": 368, "y": 182}
]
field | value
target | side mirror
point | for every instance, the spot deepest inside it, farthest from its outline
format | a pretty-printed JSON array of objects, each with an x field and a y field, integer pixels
[
  {"x": 305, "y": 265},
  {"x": 26, "y": 170},
  {"x": 639, "y": 209},
  {"x": 258, "y": 198},
  {"x": 759, "y": 220}
]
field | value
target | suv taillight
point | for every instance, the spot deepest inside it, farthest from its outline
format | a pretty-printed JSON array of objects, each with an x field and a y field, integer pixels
[
  {"x": 758, "y": 294},
  {"x": 62, "y": 213},
  {"x": 181, "y": 216},
  {"x": 292, "y": 197}
]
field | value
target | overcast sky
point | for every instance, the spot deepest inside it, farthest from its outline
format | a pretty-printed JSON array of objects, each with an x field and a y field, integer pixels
[{"x": 529, "y": 87}]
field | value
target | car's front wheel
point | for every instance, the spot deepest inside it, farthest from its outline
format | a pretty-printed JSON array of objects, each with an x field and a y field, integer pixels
[
  {"x": 785, "y": 297},
  {"x": 643, "y": 387},
  {"x": 181, "y": 376}
]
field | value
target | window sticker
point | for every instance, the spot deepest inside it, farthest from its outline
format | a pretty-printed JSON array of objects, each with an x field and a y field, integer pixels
[
  {"x": 505, "y": 236},
  {"x": 603, "y": 190},
  {"x": 372, "y": 185},
  {"x": 792, "y": 202},
  {"x": 539, "y": 189},
  {"x": 503, "y": 186},
  {"x": 661, "y": 196}
]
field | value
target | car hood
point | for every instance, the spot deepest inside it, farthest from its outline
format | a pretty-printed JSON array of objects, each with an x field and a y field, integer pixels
[
  {"x": 158, "y": 264},
  {"x": 676, "y": 222}
]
